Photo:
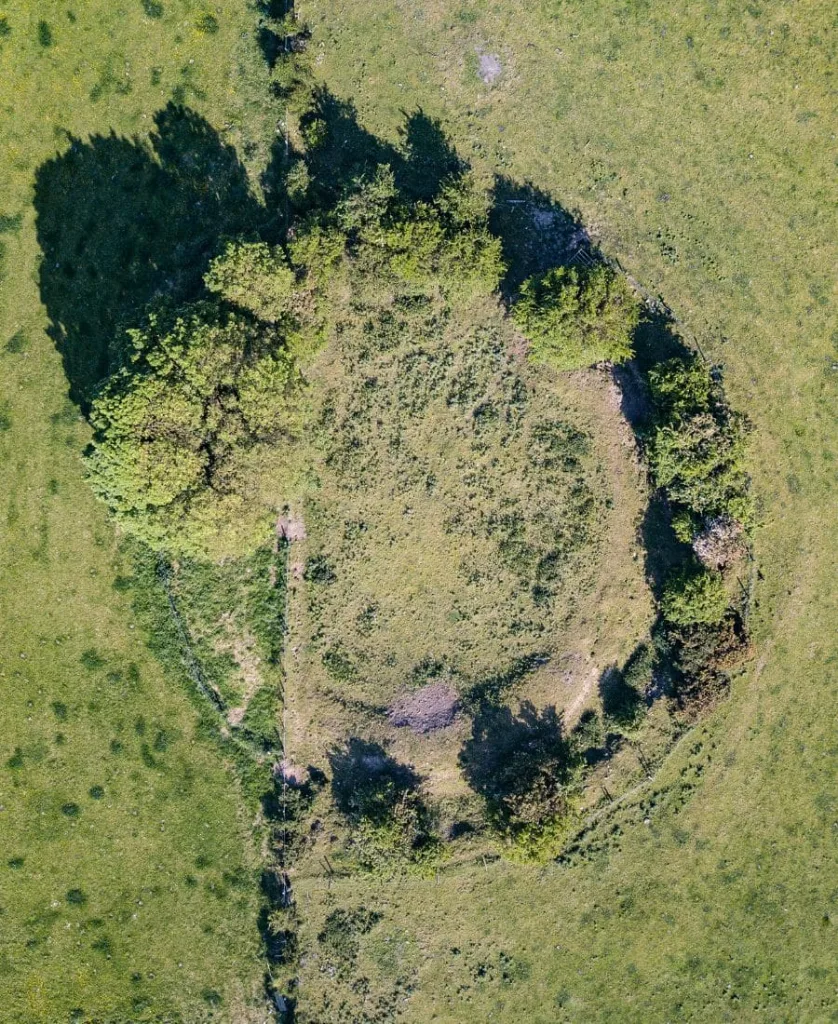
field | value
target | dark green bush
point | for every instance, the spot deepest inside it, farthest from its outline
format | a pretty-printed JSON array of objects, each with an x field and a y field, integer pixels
[
  {"x": 704, "y": 656},
  {"x": 697, "y": 447},
  {"x": 391, "y": 826},
  {"x": 527, "y": 772}
]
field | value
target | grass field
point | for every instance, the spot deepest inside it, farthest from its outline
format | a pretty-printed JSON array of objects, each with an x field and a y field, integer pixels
[
  {"x": 129, "y": 873},
  {"x": 698, "y": 146}
]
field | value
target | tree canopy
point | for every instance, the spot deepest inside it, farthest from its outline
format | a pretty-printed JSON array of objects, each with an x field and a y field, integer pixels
[
  {"x": 697, "y": 446},
  {"x": 194, "y": 428}
]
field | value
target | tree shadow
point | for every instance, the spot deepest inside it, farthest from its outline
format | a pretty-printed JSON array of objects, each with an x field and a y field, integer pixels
[
  {"x": 121, "y": 223},
  {"x": 366, "y": 781},
  {"x": 508, "y": 753},
  {"x": 490, "y": 689},
  {"x": 342, "y": 151},
  {"x": 340, "y": 148},
  {"x": 427, "y": 157},
  {"x": 662, "y": 551},
  {"x": 536, "y": 233},
  {"x": 621, "y": 703},
  {"x": 656, "y": 339}
]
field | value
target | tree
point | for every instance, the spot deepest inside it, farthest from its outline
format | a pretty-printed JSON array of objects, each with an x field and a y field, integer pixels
[
  {"x": 575, "y": 318},
  {"x": 526, "y": 770},
  {"x": 254, "y": 276},
  {"x": 192, "y": 433},
  {"x": 694, "y": 595}
]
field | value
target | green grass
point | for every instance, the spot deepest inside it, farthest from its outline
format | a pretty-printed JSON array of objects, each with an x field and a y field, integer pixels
[
  {"x": 129, "y": 881},
  {"x": 697, "y": 145}
]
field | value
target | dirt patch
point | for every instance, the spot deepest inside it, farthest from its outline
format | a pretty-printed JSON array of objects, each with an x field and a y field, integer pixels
[
  {"x": 490, "y": 67},
  {"x": 431, "y": 708},
  {"x": 291, "y": 773},
  {"x": 291, "y": 527},
  {"x": 235, "y": 716}
]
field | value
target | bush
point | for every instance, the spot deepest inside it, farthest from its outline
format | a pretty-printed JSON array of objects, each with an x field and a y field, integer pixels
[
  {"x": 694, "y": 595},
  {"x": 527, "y": 771},
  {"x": 392, "y": 828},
  {"x": 254, "y": 276},
  {"x": 704, "y": 657},
  {"x": 697, "y": 447},
  {"x": 575, "y": 318},
  {"x": 340, "y": 936}
]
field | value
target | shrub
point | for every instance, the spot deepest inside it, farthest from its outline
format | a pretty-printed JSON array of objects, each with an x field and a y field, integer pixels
[
  {"x": 704, "y": 657},
  {"x": 694, "y": 595},
  {"x": 575, "y": 318},
  {"x": 697, "y": 447},
  {"x": 392, "y": 828},
  {"x": 254, "y": 276},
  {"x": 527, "y": 771}
]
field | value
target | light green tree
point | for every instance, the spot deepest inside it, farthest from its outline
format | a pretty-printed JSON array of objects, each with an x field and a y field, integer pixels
[
  {"x": 193, "y": 434},
  {"x": 694, "y": 595},
  {"x": 575, "y": 318},
  {"x": 255, "y": 277}
]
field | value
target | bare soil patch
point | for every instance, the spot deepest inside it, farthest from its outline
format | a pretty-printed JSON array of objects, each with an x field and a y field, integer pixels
[
  {"x": 490, "y": 67},
  {"x": 428, "y": 709},
  {"x": 291, "y": 527}
]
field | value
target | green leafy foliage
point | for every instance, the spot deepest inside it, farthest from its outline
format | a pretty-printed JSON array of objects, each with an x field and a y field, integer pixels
[
  {"x": 526, "y": 769},
  {"x": 391, "y": 825},
  {"x": 697, "y": 447},
  {"x": 192, "y": 429},
  {"x": 444, "y": 243},
  {"x": 254, "y": 276},
  {"x": 575, "y": 318},
  {"x": 706, "y": 654},
  {"x": 339, "y": 939},
  {"x": 694, "y": 595}
]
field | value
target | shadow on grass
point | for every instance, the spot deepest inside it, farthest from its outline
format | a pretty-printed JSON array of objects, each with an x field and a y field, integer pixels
[
  {"x": 366, "y": 781},
  {"x": 122, "y": 222},
  {"x": 345, "y": 151},
  {"x": 509, "y": 754},
  {"x": 536, "y": 232}
]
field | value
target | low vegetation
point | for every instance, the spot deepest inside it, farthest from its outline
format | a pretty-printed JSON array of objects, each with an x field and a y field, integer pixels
[{"x": 360, "y": 381}]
